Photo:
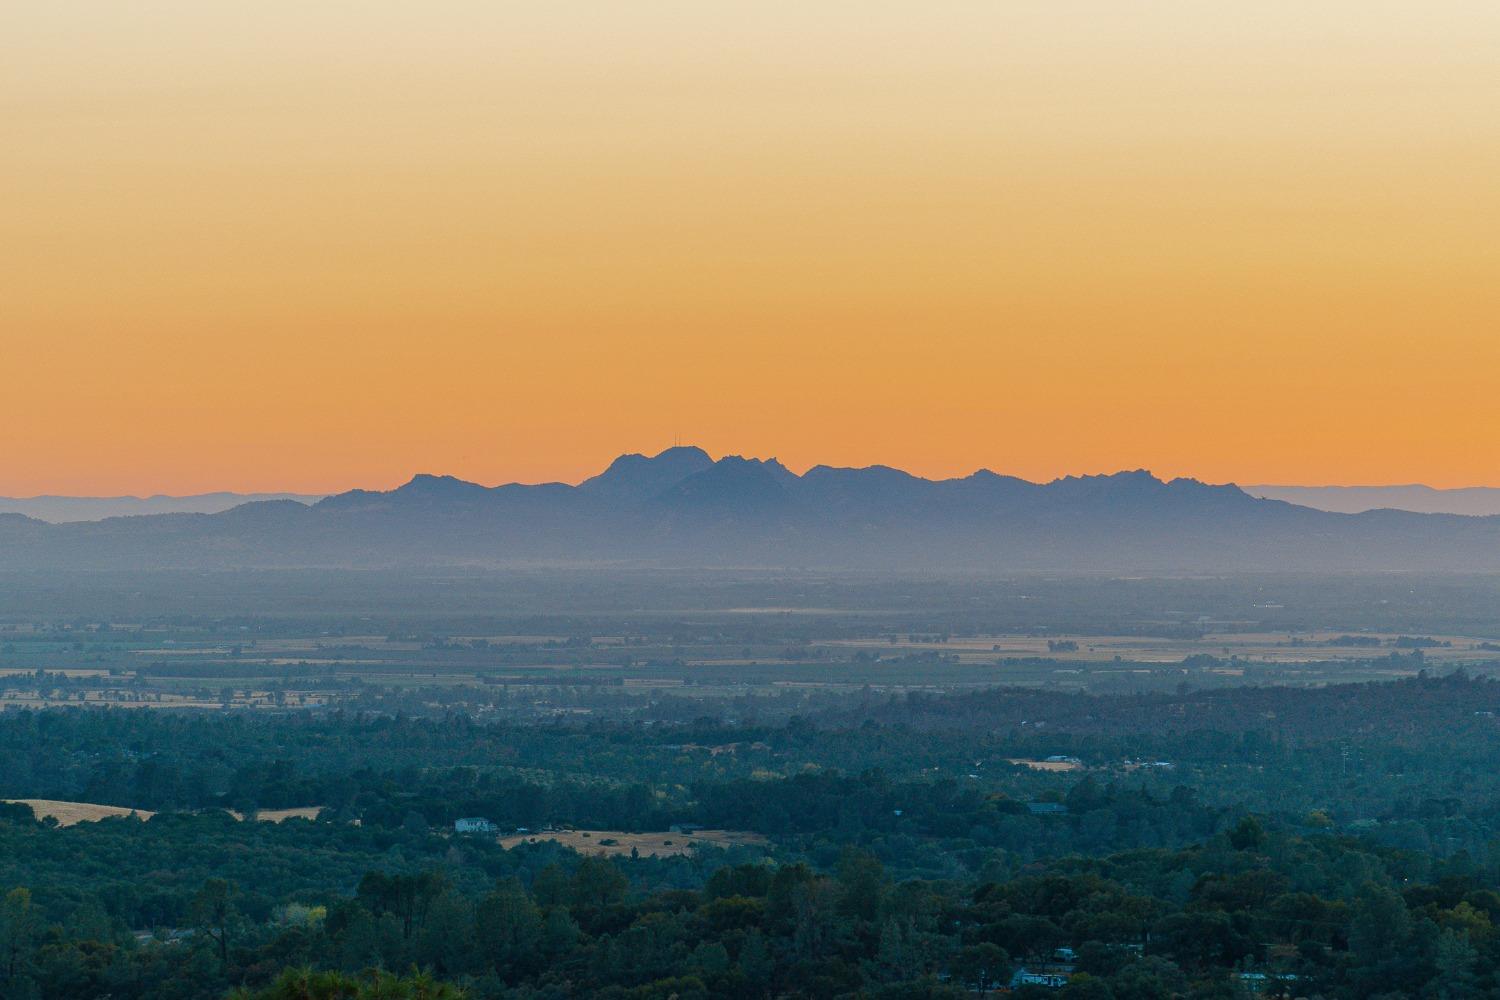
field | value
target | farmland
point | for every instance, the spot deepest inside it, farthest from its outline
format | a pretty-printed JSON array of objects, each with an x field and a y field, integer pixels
[{"x": 638, "y": 642}]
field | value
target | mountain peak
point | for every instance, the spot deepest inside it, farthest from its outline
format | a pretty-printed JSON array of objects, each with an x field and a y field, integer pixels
[
  {"x": 427, "y": 485},
  {"x": 639, "y": 477},
  {"x": 428, "y": 481},
  {"x": 771, "y": 466},
  {"x": 422, "y": 488},
  {"x": 682, "y": 453},
  {"x": 734, "y": 483}
]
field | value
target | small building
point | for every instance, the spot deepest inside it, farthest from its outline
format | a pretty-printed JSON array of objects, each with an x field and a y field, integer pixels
[
  {"x": 684, "y": 828},
  {"x": 163, "y": 935},
  {"x": 1260, "y": 983},
  {"x": 1046, "y": 808},
  {"x": 1051, "y": 977},
  {"x": 473, "y": 824},
  {"x": 1253, "y": 983}
]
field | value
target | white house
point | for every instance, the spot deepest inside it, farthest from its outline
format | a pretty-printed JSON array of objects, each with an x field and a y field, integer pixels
[
  {"x": 1054, "y": 979},
  {"x": 473, "y": 824}
]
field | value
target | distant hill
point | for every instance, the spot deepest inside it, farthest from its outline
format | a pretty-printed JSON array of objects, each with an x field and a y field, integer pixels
[
  {"x": 683, "y": 508},
  {"x": 1475, "y": 501},
  {"x": 57, "y": 510}
]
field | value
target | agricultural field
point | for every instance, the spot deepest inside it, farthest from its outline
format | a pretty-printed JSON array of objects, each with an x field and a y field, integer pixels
[{"x": 637, "y": 645}]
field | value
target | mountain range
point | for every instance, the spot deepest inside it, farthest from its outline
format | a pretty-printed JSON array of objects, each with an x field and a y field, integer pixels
[
  {"x": 1476, "y": 501},
  {"x": 683, "y": 508},
  {"x": 58, "y": 509}
]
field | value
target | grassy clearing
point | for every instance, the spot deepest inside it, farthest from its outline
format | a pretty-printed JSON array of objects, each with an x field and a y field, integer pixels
[{"x": 649, "y": 845}]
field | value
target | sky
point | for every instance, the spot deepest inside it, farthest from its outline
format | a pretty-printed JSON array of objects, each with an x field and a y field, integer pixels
[{"x": 309, "y": 246}]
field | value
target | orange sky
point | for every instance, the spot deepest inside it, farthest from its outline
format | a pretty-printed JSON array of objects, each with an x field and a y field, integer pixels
[{"x": 292, "y": 245}]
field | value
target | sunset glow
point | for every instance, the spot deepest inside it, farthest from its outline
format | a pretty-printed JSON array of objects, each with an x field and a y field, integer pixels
[{"x": 308, "y": 247}]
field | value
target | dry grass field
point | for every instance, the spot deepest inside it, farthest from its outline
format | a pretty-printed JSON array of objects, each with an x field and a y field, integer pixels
[
  {"x": 1046, "y": 765},
  {"x": 68, "y": 813},
  {"x": 649, "y": 845},
  {"x": 280, "y": 815}
]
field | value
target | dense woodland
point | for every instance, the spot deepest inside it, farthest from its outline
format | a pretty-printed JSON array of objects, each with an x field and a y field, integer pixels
[
  {"x": 1320, "y": 913},
  {"x": 906, "y": 855}
]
